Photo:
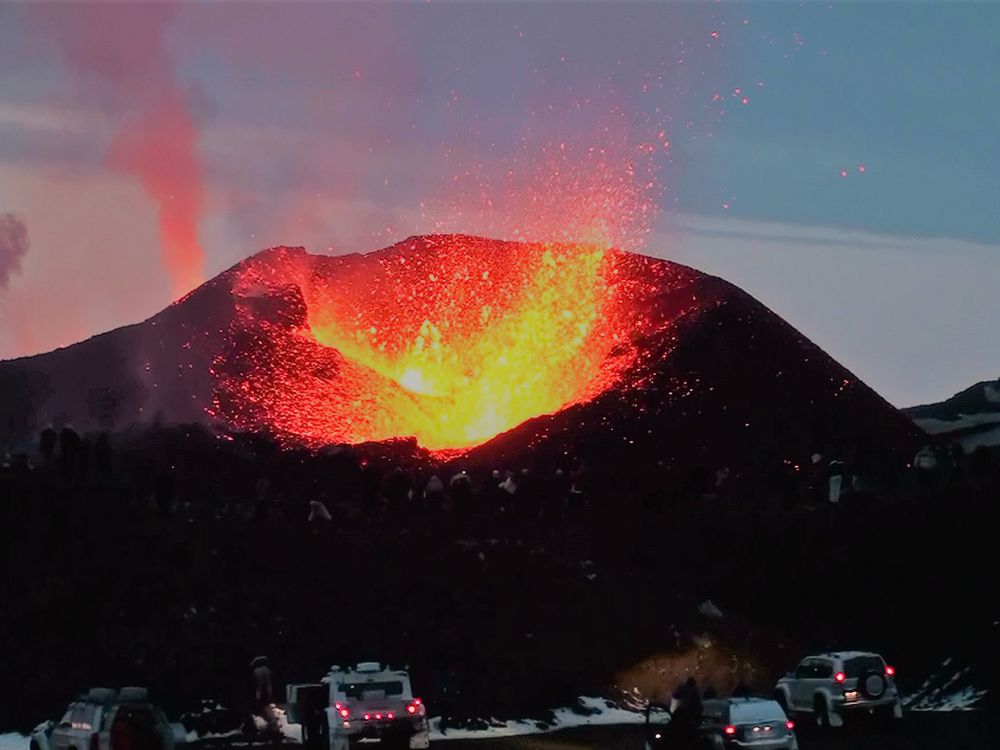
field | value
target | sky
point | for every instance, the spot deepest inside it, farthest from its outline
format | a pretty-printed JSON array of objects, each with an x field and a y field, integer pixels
[{"x": 838, "y": 161}]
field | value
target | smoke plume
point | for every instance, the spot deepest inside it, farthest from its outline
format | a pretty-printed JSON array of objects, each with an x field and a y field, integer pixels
[
  {"x": 118, "y": 57},
  {"x": 13, "y": 246}
]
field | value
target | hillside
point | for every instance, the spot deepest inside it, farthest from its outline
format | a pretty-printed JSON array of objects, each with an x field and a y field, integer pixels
[{"x": 612, "y": 355}]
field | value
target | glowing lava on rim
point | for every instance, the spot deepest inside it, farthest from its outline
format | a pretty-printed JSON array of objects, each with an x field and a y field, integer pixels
[{"x": 449, "y": 339}]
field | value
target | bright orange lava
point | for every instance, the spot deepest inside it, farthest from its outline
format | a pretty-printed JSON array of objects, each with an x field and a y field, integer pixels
[{"x": 450, "y": 339}]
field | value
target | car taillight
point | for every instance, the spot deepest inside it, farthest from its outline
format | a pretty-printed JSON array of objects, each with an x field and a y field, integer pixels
[
  {"x": 789, "y": 725},
  {"x": 839, "y": 677},
  {"x": 414, "y": 707},
  {"x": 730, "y": 730},
  {"x": 342, "y": 710},
  {"x": 890, "y": 671},
  {"x": 390, "y": 716}
]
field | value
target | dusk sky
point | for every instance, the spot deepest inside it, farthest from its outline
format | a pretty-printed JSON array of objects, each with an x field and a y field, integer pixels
[{"x": 840, "y": 162}]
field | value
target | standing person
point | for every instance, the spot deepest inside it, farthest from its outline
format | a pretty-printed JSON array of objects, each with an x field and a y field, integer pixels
[
  {"x": 262, "y": 688},
  {"x": 508, "y": 492},
  {"x": 686, "y": 710},
  {"x": 956, "y": 462},
  {"x": 434, "y": 495},
  {"x": 461, "y": 493},
  {"x": 925, "y": 465},
  {"x": 263, "y": 692},
  {"x": 398, "y": 486},
  {"x": 838, "y": 481},
  {"x": 817, "y": 480},
  {"x": 47, "y": 441},
  {"x": 447, "y": 696},
  {"x": 69, "y": 452},
  {"x": 742, "y": 689}
]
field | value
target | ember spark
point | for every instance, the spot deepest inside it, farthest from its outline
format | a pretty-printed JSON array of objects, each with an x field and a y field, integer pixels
[{"x": 449, "y": 339}]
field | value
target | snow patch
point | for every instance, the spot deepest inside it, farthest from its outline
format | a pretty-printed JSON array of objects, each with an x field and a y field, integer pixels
[
  {"x": 13, "y": 741},
  {"x": 976, "y": 439},
  {"x": 937, "y": 426},
  {"x": 947, "y": 690},
  {"x": 587, "y": 713}
]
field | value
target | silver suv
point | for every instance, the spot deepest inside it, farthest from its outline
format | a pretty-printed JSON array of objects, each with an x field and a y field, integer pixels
[
  {"x": 830, "y": 686},
  {"x": 369, "y": 702},
  {"x": 106, "y": 719}
]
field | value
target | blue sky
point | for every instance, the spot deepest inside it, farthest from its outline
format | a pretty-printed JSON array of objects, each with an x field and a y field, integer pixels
[
  {"x": 335, "y": 126},
  {"x": 910, "y": 90}
]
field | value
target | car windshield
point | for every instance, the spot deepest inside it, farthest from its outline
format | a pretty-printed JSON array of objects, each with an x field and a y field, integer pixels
[
  {"x": 756, "y": 711},
  {"x": 358, "y": 689},
  {"x": 860, "y": 665}
]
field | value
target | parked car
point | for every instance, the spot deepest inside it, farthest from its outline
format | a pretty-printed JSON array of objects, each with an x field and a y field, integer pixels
[
  {"x": 369, "y": 702},
  {"x": 729, "y": 723},
  {"x": 828, "y": 687},
  {"x": 106, "y": 719},
  {"x": 747, "y": 722}
]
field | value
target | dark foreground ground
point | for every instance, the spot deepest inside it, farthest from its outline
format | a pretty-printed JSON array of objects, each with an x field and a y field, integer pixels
[
  {"x": 500, "y": 614},
  {"x": 926, "y": 731},
  {"x": 960, "y": 730}
]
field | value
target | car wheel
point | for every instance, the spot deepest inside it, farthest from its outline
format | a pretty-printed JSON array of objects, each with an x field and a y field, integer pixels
[
  {"x": 821, "y": 713},
  {"x": 872, "y": 685}
]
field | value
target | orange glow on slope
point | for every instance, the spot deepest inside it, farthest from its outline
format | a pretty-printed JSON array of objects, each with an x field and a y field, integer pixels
[
  {"x": 495, "y": 347},
  {"x": 452, "y": 340}
]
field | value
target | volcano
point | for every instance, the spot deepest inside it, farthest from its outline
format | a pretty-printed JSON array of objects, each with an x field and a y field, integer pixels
[{"x": 464, "y": 347}]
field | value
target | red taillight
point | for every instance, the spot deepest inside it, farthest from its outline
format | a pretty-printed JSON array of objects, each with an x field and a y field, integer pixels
[
  {"x": 839, "y": 677},
  {"x": 415, "y": 706},
  {"x": 368, "y": 717},
  {"x": 343, "y": 710},
  {"x": 390, "y": 716},
  {"x": 789, "y": 725},
  {"x": 730, "y": 730},
  {"x": 890, "y": 671}
]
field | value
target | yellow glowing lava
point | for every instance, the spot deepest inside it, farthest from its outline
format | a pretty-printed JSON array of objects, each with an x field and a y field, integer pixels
[{"x": 457, "y": 347}]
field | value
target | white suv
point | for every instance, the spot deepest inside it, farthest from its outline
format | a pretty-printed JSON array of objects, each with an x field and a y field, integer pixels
[
  {"x": 367, "y": 702},
  {"x": 831, "y": 686}
]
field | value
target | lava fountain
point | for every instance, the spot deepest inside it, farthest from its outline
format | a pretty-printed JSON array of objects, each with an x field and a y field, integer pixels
[{"x": 448, "y": 339}]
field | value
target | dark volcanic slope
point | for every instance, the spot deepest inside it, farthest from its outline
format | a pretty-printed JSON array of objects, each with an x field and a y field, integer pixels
[{"x": 726, "y": 383}]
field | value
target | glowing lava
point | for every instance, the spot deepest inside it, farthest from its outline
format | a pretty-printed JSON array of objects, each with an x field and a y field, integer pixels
[{"x": 448, "y": 339}]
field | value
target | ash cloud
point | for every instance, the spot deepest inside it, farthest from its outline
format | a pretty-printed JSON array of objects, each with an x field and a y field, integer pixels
[
  {"x": 118, "y": 57},
  {"x": 13, "y": 246}
]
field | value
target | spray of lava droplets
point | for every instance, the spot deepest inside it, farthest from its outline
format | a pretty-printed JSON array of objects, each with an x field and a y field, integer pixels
[
  {"x": 602, "y": 191},
  {"x": 452, "y": 339}
]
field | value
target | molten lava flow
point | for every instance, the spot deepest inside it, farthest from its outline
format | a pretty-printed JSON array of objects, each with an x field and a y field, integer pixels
[{"x": 452, "y": 340}]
